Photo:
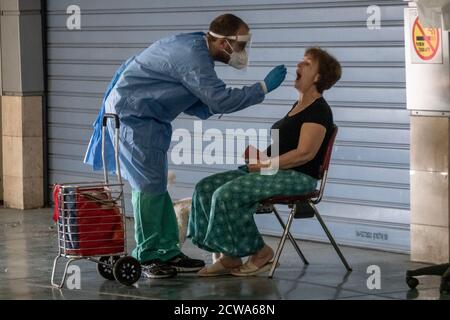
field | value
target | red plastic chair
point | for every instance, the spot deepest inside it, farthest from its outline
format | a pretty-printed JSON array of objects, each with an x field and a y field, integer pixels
[{"x": 296, "y": 203}]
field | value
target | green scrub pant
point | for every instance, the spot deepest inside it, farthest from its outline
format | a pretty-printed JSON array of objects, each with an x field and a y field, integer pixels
[
  {"x": 156, "y": 228},
  {"x": 223, "y": 206}
]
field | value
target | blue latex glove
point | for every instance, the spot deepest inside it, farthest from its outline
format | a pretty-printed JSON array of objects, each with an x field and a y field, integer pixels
[{"x": 275, "y": 77}]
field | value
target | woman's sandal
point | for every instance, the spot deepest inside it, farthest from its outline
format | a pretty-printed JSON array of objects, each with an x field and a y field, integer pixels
[
  {"x": 214, "y": 270},
  {"x": 249, "y": 269}
]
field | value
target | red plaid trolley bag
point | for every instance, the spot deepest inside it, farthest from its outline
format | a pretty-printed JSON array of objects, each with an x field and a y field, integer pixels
[{"x": 93, "y": 223}]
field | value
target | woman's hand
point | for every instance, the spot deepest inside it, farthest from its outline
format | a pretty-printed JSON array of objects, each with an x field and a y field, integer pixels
[
  {"x": 253, "y": 155},
  {"x": 256, "y": 167}
]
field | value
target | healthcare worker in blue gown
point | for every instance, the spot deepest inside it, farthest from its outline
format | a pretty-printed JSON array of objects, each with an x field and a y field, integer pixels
[{"x": 172, "y": 76}]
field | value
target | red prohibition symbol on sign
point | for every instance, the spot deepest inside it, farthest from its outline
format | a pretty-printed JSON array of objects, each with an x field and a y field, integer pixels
[{"x": 426, "y": 41}]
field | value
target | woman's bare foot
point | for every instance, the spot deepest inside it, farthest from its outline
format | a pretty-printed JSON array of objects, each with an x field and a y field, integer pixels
[
  {"x": 221, "y": 266},
  {"x": 230, "y": 262},
  {"x": 261, "y": 257},
  {"x": 215, "y": 257}
]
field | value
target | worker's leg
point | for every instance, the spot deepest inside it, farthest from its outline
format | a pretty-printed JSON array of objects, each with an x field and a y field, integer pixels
[
  {"x": 232, "y": 229},
  {"x": 201, "y": 205},
  {"x": 156, "y": 231},
  {"x": 156, "y": 228}
]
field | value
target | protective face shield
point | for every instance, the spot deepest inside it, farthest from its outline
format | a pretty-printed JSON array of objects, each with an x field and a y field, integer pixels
[{"x": 240, "y": 49}]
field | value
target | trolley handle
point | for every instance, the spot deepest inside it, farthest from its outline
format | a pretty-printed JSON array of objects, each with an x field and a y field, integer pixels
[
  {"x": 107, "y": 116},
  {"x": 111, "y": 116}
]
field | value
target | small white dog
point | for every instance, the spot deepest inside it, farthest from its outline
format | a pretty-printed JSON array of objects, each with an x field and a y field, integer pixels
[{"x": 182, "y": 209}]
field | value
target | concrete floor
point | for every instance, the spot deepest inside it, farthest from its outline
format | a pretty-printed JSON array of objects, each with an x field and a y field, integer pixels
[{"x": 28, "y": 246}]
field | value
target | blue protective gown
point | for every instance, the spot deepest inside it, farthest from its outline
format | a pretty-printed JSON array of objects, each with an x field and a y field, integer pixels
[{"x": 174, "y": 75}]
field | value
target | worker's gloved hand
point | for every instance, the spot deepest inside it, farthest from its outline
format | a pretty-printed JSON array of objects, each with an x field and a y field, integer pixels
[{"x": 275, "y": 77}]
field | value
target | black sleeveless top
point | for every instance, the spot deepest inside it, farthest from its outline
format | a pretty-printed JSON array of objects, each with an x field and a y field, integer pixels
[{"x": 289, "y": 133}]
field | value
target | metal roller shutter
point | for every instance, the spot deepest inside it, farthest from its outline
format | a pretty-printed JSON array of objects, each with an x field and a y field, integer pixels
[{"x": 367, "y": 196}]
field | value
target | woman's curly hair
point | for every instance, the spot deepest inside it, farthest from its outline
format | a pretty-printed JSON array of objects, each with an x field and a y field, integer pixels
[{"x": 329, "y": 68}]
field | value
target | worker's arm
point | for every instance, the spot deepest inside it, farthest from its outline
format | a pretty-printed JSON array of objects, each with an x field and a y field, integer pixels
[
  {"x": 199, "y": 110},
  {"x": 200, "y": 78}
]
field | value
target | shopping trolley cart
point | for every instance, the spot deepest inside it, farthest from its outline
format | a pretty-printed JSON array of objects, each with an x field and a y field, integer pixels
[{"x": 90, "y": 218}]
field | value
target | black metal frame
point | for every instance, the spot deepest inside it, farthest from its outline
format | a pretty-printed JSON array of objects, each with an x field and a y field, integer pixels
[{"x": 442, "y": 270}]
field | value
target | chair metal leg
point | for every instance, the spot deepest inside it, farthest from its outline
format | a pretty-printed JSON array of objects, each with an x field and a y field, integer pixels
[
  {"x": 291, "y": 238},
  {"x": 281, "y": 245},
  {"x": 330, "y": 237}
]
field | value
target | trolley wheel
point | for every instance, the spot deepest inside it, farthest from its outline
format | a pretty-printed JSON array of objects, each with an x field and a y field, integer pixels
[
  {"x": 106, "y": 270},
  {"x": 412, "y": 282},
  {"x": 127, "y": 270}
]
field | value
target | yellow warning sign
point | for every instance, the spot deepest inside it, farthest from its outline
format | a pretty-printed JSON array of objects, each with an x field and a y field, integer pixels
[{"x": 426, "y": 41}]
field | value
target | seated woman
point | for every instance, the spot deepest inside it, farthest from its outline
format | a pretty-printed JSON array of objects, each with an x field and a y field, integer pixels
[{"x": 223, "y": 204}]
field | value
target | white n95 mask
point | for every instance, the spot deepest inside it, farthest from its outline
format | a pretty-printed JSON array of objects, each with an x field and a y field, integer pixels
[{"x": 238, "y": 60}]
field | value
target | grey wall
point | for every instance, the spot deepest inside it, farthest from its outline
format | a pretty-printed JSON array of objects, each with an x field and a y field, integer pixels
[{"x": 367, "y": 198}]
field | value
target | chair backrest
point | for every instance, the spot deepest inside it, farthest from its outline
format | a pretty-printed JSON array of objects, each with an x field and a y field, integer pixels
[
  {"x": 327, "y": 158},
  {"x": 323, "y": 171}
]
